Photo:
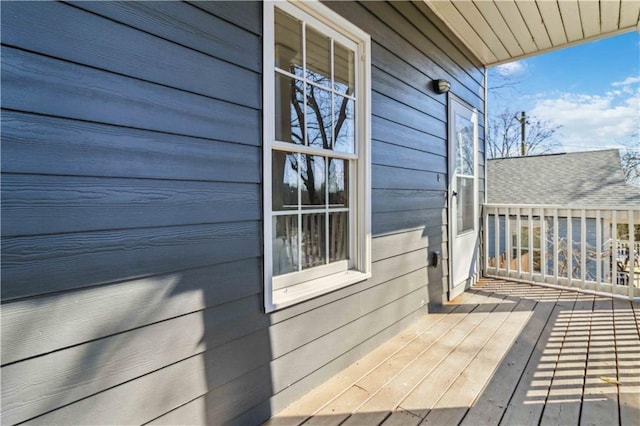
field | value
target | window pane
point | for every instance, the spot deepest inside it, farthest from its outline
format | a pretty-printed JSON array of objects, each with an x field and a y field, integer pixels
[
  {"x": 285, "y": 244},
  {"x": 464, "y": 145},
  {"x": 312, "y": 177},
  {"x": 344, "y": 69},
  {"x": 313, "y": 240},
  {"x": 318, "y": 57},
  {"x": 344, "y": 122},
  {"x": 464, "y": 199},
  {"x": 338, "y": 236},
  {"x": 318, "y": 117},
  {"x": 288, "y": 43},
  {"x": 289, "y": 109},
  {"x": 338, "y": 182},
  {"x": 284, "y": 172}
]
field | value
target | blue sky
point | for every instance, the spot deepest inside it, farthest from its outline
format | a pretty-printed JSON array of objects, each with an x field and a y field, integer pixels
[{"x": 591, "y": 90}]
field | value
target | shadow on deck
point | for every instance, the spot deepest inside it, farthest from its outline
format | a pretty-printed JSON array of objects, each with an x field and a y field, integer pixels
[{"x": 501, "y": 353}]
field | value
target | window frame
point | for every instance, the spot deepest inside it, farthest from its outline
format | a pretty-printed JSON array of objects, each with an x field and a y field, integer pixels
[{"x": 326, "y": 278}]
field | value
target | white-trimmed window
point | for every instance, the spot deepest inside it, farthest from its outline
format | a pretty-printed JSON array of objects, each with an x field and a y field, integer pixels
[{"x": 317, "y": 182}]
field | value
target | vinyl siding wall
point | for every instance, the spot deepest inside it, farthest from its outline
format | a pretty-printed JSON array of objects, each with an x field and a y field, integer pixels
[{"x": 131, "y": 211}]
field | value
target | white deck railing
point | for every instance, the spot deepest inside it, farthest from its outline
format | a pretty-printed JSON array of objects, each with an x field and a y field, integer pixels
[{"x": 583, "y": 248}]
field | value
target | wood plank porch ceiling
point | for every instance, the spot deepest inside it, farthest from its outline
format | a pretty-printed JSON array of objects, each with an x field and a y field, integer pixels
[
  {"x": 502, "y": 353},
  {"x": 500, "y": 31}
]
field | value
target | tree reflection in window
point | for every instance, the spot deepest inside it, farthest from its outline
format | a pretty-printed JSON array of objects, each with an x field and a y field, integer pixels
[
  {"x": 326, "y": 123},
  {"x": 465, "y": 147}
]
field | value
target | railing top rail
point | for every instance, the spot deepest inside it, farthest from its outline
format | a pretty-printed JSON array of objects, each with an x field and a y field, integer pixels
[{"x": 561, "y": 207}]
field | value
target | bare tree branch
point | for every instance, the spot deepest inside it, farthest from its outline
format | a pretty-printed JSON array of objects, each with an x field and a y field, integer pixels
[
  {"x": 503, "y": 136},
  {"x": 630, "y": 158}
]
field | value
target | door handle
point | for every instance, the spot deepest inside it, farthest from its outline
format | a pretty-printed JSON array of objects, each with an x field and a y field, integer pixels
[{"x": 454, "y": 194}]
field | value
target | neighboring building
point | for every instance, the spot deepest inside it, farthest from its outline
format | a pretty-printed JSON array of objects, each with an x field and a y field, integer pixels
[
  {"x": 582, "y": 185},
  {"x": 581, "y": 179},
  {"x": 210, "y": 208}
]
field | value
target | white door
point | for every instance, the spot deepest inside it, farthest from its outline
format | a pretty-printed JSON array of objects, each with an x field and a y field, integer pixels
[{"x": 463, "y": 196}]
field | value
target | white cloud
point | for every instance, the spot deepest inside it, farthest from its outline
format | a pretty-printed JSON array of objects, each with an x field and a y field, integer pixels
[
  {"x": 506, "y": 70},
  {"x": 592, "y": 121},
  {"x": 627, "y": 82}
]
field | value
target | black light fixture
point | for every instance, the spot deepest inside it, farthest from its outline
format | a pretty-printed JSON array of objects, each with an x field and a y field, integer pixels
[{"x": 441, "y": 86}]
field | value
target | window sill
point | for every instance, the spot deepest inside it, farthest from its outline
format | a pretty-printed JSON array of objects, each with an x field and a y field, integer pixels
[{"x": 289, "y": 296}]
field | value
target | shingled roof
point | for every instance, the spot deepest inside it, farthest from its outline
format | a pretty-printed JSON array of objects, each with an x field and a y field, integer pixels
[{"x": 593, "y": 178}]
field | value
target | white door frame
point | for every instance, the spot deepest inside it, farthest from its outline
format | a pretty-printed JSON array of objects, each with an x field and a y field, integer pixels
[{"x": 470, "y": 240}]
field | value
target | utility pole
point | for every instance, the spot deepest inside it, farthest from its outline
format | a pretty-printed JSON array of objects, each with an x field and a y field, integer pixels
[{"x": 523, "y": 124}]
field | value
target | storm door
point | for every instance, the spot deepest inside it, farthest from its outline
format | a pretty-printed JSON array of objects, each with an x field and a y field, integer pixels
[{"x": 463, "y": 196}]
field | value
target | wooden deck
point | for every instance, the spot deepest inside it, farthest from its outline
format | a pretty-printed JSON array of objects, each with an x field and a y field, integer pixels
[{"x": 502, "y": 353}]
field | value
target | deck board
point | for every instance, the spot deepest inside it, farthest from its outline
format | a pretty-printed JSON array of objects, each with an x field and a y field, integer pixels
[
  {"x": 527, "y": 402},
  {"x": 563, "y": 403},
  {"x": 600, "y": 397},
  {"x": 627, "y": 338},
  {"x": 501, "y": 353}
]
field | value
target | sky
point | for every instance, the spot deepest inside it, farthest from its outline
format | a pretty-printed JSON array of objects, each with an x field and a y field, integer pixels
[{"x": 592, "y": 91}]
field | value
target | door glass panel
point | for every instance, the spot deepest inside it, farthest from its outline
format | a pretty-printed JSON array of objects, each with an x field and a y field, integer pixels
[
  {"x": 464, "y": 145},
  {"x": 464, "y": 208}
]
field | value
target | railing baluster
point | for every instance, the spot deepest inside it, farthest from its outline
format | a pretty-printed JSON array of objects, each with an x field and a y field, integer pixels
[
  {"x": 496, "y": 231},
  {"x": 614, "y": 251},
  {"x": 519, "y": 243},
  {"x": 507, "y": 239},
  {"x": 598, "y": 251},
  {"x": 569, "y": 256},
  {"x": 543, "y": 244},
  {"x": 485, "y": 240},
  {"x": 583, "y": 248},
  {"x": 530, "y": 223},
  {"x": 300, "y": 233},
  {"x": 555, "y": 245},
  {"x": 329, "y": 234},
  {"x": 631, "y": 253}
]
